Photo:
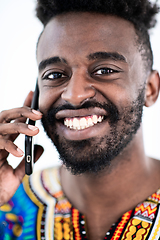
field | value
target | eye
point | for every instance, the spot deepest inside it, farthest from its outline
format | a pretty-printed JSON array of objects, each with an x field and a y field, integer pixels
[
  {"x": 105, "y": 71},
  {"x": 54, "y": 76}
]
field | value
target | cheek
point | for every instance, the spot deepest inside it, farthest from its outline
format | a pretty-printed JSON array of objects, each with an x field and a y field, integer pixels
[
  {"x": 119, "y": 94},
  {"x": 47, "y": 98}
]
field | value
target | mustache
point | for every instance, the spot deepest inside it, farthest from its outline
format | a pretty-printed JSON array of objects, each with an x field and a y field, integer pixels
[{"x": 109, "y": 107}]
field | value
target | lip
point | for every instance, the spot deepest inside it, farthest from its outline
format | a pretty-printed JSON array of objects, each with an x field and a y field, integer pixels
[
  {"x": 80, "y": 113},
  {"x": 78, "y": 135}
]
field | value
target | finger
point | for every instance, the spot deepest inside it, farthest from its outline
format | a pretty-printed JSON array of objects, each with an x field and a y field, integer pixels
[
  {"x": 3, "y": 154},
  {"x": 13, "y": 136},
  {"x": 15, "y": 113},
  {"x": 17, "y": 128},
  {"x": 10, "y": 147},
  {"x": 20, "y": 170},
  {"x": 20, "y": 128}
]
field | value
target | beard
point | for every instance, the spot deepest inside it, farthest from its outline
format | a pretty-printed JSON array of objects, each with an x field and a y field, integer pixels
[{"x": 93, "y": 155}]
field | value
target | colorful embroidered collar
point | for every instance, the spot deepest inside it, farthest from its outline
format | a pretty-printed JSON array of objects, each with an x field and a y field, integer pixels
[{"x": 39, "y": 210}]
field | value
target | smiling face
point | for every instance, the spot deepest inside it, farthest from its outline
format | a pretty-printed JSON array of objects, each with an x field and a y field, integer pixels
[{"x": 91, "y": 80}]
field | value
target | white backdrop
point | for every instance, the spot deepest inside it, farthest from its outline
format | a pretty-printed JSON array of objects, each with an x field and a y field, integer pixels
[{"x": 19, "y": 31}]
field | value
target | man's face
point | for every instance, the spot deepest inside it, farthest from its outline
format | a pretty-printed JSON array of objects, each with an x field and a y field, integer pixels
[{"x": 91, "y": 82}]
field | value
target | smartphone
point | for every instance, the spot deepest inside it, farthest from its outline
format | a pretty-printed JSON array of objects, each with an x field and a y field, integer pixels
[{"x": 29, "y": 154}]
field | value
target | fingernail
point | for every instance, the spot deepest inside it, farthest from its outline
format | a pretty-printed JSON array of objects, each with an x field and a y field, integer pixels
[
  {"x": 20, "y": 151},
  {"x": 31, "y": 127},
  {"x": 36, "y": 112}
]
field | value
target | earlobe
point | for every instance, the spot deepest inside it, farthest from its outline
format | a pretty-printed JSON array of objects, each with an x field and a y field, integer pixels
[{"x": 152, "y": 88}]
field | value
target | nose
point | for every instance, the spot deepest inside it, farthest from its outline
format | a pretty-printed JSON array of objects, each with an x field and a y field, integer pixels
[{"x": 78, "y": 90}]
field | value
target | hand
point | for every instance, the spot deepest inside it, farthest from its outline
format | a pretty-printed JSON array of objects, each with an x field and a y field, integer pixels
[{"x": 12, "y": 123}]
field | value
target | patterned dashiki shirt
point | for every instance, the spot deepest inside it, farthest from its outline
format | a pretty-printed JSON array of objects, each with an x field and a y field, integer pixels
[{"x": 40, "y": 211}]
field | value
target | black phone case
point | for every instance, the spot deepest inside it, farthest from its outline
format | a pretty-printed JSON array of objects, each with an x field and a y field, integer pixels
[{"x": 29, "y": 151}]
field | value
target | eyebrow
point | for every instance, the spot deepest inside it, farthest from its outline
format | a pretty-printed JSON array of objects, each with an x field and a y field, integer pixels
[
  {"x": 93, "y": 56},
  {"x": 43, "y": 64},
  {"x": 107, "y": 55}
]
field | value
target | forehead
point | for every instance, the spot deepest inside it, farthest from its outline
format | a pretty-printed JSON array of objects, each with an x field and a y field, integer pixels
[{"x": 79, "y": 34}]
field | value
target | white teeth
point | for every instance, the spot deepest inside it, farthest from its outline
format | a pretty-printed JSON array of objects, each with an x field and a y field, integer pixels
[
  {"x": 67, "y": 122},
  {"x": 75, "y": 123},
  {"x": 90, "y": 123},
  {"x": 83, "y": 122},
  {"x": 94, "y": 118},
  {"x": 100, "y": 119}
]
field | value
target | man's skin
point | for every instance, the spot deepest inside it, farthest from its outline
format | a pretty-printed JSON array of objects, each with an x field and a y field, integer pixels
[{"x": 131, "y": 176}]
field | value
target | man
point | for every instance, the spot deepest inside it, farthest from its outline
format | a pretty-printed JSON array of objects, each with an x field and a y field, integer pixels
[{"x": 95, "y": 76}]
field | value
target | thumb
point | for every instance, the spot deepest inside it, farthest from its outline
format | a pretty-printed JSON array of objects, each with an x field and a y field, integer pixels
[
  {"x": 38, "y": 151},
  {"x": 28, "y": 99}
]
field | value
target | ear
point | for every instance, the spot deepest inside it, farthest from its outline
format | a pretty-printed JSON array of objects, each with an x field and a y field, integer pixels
[{"x": 152, "y": 89}]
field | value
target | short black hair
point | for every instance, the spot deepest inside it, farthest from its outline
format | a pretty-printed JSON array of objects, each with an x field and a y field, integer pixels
[{"x": 140, "y": 12}]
